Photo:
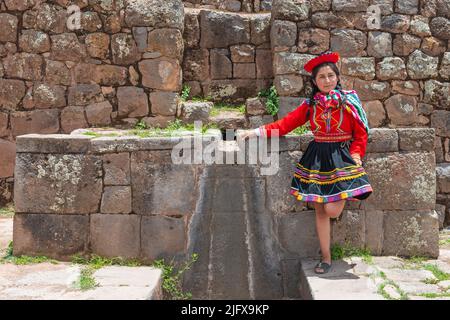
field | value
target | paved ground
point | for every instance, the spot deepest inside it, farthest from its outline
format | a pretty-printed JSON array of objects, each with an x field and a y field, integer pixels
[
  {"x": 382, "y": 277},
  {"x": 61, "y": 281}
]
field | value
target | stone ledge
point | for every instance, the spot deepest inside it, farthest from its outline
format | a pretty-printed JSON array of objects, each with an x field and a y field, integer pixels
[{"x": 52, "y": 143}]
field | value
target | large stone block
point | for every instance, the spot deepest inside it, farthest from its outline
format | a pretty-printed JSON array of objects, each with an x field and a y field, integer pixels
[
  {"x": 402, "y": 110},
  {"x": 116, "y": 199},
  {"x": 8, "y": 27},
  {"x": 117, "y": 169},
  {"x": 115, "y": 235},
  {"x": 168, "y": 42},
  {"x": 38, "y": 121},
  {"x": 422, "y": 66},
  {"x": 66, "y": 47},
  {"x": 437, "y": 93},
  {"x": 133, "y": 102},
  {"x": 73, "y": 118},
  {"x": 264, "y": 64},
  {"x": 411, "y": 233},
  {"x": 401, "y": 181},
  {"x": 56, "y": 72},
  {"x": 350, "y": 6},
  {"x": 297, "y": 234},
  {"x": 47, "y": 96},
  {"x": 27, "y": 66},
  {"x": 97, "y": 45},
  {"x": 53, "y": 236},
  {"x": 216, "y": 31},
  {"x": 440, "y": 120},
  {"x": 34, "y": 41},
  {"x": 382, "y": 140},
  {"x": 221, "y": 65},
  {"x": 196, "y": 64},
  {"x": 63, "y": 184},
  {"x": 348, "y": 42},
  {"x": 375, "y": 113},
  {"x": 283, "y": 33},
  {"x": 374, "y": 231},
  {"x": 294, "y": 10},
  {"x": 161, "y": 73},
  {"x": 155, "y": 13},
  {"x": 350, "y": 230},
  {"x": 162, "y": 238},
  {"x": 191, "y": 29},
  {"x": 124, "y": 49},
  {"x": 287, "y": 62},
  {"x": 84, "y": 94},
  {"x": 11, "y": 93},
  {"x": 416, "y": 139},
  {"x": 7, "y": 158},
  {"x": 391, "y": 68},
  {"x": 359, "y": 67},
  {"x": 260, "y": 29},
  {"x": 379, "y": 44},
  {"x": 372, "y": 90},
  {"x": 443, "y": 177},
  {"x": 160, "y": 187}
]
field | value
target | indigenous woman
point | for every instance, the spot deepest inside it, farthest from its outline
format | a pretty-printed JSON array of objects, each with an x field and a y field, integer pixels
[{"x": 330, "y": 171}]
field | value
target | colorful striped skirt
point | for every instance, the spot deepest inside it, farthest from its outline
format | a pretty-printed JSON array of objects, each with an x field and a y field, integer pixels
[{"x": 326, "y": 173}]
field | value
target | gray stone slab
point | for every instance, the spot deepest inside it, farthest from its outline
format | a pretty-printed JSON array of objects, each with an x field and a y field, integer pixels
[
  {"x": 398, "y": 176},
  {"x": 160, "y": 187},
  {"x": 54, "y": 236},
  {"x": 411, "y": 233},
  {"x": 340, "y": 283},
  {"x": 54, "y": 183},
  {"x": 416, "y": 139},
  {"x": 52, "y": 143},
  {"x": 382, "y": 140},
  {"x": 115, "y": 235},
  {"x": 297, "y": 233},
  {"x": 162, "y": 238}
]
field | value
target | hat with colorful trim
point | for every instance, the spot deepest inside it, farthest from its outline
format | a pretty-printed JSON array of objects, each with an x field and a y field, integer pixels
[{"x": 324, "y": 57}]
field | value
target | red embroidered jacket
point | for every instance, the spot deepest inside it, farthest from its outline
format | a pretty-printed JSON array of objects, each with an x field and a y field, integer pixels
[{"x": 329, "y": 122}]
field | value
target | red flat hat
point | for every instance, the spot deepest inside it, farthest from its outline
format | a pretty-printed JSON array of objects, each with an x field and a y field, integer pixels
[{"x": 327, "y": 57}]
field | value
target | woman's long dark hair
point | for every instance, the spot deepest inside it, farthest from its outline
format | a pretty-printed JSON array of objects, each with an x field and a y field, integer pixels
[{"x": 314, "y": 73}]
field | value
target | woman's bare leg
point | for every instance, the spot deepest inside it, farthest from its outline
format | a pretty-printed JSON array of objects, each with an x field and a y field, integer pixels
[
  {"x": 323, "y": 231},
  {"x": 334, "y": 209}
]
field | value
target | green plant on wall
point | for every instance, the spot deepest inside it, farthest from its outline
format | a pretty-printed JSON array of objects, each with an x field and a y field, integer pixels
[
  {"x": 185, "y": 92},
  {"x": 272, "y": 100},
  {"x": 171, "y": 275}
]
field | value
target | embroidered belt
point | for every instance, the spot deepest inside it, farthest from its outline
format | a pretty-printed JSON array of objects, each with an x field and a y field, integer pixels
[{"x": 333, "y": 138}]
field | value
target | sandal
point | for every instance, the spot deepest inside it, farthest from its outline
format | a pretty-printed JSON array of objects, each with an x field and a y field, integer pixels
[{"x": 322, "y": 265}]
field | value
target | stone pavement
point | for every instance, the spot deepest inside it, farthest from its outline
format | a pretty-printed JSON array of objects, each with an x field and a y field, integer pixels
[
  {"x": 381, "y": 278},
  {"x": 60, "y": 281}
]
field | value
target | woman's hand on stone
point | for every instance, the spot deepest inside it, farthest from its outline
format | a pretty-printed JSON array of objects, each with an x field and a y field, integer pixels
[{"x": 244, "y": 134}]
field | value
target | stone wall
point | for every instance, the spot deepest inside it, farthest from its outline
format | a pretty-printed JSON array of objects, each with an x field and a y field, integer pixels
[
  {"x": 124, "y": 196},
  {"x": 397, "y": 61},
  {"x": 227, "y": 55},
  {"x": 231, "y": 5},
  {"x": 121, "y": 64}
]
